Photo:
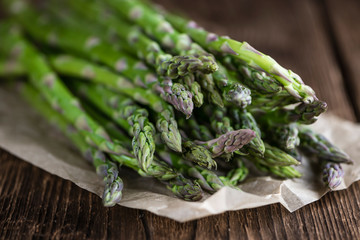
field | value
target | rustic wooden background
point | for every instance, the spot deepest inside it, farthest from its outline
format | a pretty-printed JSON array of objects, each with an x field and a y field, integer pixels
[{"x": 319, "y": 39}]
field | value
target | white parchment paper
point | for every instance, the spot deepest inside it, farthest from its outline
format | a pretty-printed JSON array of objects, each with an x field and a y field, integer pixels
[{"x": 25, "y": 134}]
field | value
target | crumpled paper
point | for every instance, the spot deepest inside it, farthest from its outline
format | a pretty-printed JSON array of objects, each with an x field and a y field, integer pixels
[{"x": 26, "y": 135}]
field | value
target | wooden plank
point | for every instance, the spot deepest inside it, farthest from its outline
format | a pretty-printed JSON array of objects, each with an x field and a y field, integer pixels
[
  {"x": 57, "y": 208},
  {"x": 36, "y": 203},
  {"x": 344, "y": 19}
]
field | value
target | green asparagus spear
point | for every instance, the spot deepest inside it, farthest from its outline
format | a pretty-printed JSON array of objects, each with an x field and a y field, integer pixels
[
  {"x": 134, "y": 41},
  {"x": 280, "y": 171},
  {"x": 220, "y": 123},
  {"x": 284, "y": 136},
  {"x": 140, "y": 44},
  {"x": 177, "y": 183},
  {"x": 194, "y": 129},
  {"x": 156, "y": 26},
  {"x": 254, "y": 79},
  {"x": 91, "y": 46},
  {"x": 244, "y": 120},
  {"x": 221, "y": 45},
  {"x": 237, "y": 174},
  {"x": 198, "y": 154},
  {"x": 104, "y": 167},
  {"x": 166, "y": 124},
  {"x": 126, "y": 113},
  {"x": 320, "y": 146},
  {"x": 269, "y": 103},
  {"x": 55, "y": 92},
  {"x": 233, "y": 92},
  {"x": 228, "y": 142},
  {"x": 303, "y": 113},
  {"x": 273, "y": 157},
  {"x": 207, "y": 179}
]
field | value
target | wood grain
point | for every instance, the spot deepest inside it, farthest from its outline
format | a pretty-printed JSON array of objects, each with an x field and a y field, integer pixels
[
  {"x": 343, "y": 17},
  {"x": 305, "y": 36}
]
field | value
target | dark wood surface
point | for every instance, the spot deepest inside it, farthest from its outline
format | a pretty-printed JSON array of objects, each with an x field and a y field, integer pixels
[{"x": 320, "y": 40}]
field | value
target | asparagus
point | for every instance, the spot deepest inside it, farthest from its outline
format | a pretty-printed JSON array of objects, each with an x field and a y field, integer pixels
[
  {"x": 207, "y": 83},
  {"x": 198, "y": 154},
  {"x": 207, "y": 179},
  {"x": 194, "y": 129},
  {"x": 233, "y": 92},
  {"x": 332, "y": 174},
  {"x": 254, "y": 79},
  {"x": 274, "y": 157},
  {"x": 280, "y": 171},
  {"x": 134, "y": 41},
  {"x": 176, "y": 182},
  {"x": 81, "y": 42},
  {"x": 303, "y": 113},
  {"x": 104, "y": 167},
  {"x": 178, "y": 96},
  {"x": 284, "y": 136},
  {"x": 237, "y": 174},
  {"x": 156, "y": 26},
  {"x": 221, "y": 45},
  {"x": 143, "y": 46},
  {"x": 245, "y": 120},
  {"x": 220, "y": 123},
  {"x": 228, "y": 142},
  {"x": 55, "y": 92},
  {"x": 166, "y": 123},
  {"x": 273, "y": 102},
  {"x": 126, "y": 113},
  {"x": 320, "y": 146}
]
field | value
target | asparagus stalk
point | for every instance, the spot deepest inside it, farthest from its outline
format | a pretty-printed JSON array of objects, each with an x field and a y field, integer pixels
[
  {"x": 269, "y": 103},
  {"x": 228, "y": 142},
  {"x": 303, "y": 113},
  {"x": 128, "y": 115},
  {"x": 143, "y": 46},
  {"x": 104, "y": 167},
  {"x": 135, "y": 42},
  {"x": 207, "y": 179},
  {"x": 233, "y": 92},
  {"x": 174, "y": 181},
  {"x": 166, "y": 123},
  {"x": 220, "y": 123},
  {"x": 274, "y": 157},
  {"x": 198, "y": 154},
  {"x": 194, "y": 129},
  {"x": 207, "y": 82},
  {"x": 280, "y": 171},
  {"x": 318, "y": 145},
  {"x": 237, "y": 174},
  {"x": 245, "y": 120},
  {"x": 283, "y": 136},
  {"x": 332, "y": 174},
  {"x": 81, "y": 42},
  {"x": 221, "y": 45},
  {"x": 156, "y": 26},
  {"x": 55, "y": 92},
  {"x": 254, "y": 79}
]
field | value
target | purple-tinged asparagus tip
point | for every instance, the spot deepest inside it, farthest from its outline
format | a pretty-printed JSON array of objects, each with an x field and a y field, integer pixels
[{"x": 332, "y": 175}]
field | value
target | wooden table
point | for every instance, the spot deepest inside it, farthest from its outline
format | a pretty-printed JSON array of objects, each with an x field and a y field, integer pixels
[{"x": 320, "y": 40}]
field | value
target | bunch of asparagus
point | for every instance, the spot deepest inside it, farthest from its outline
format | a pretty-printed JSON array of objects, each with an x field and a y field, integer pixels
[{"x": 132, "y": 85}]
